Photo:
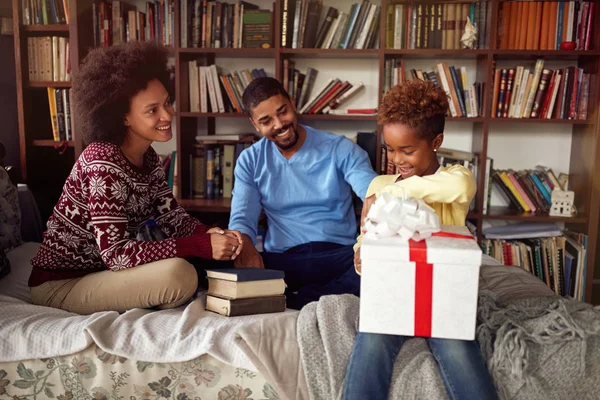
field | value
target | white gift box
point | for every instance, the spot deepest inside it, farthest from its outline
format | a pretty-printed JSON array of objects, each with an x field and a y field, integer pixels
[{"x": 424, "y": 288}]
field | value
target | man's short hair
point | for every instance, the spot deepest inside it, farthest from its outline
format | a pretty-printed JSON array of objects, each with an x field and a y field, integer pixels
[{"x": 261, "y": 89}]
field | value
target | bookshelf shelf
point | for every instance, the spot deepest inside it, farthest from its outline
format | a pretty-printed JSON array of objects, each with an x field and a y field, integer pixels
[
  {"x": 436, "y": 53},
  {"x": 331, "y": 53},
  {"x": 50, "y": 143},
  {"x": 228, "y": 52},
  {"x": 45, "y": 28},
  {"x": 503, "y": 213},
  {"x": 188, "y": 114},
  {"x": 464, "y": 119},
  {"x": 320, "y": 117},
  {"x": 52, "y": 84},
  {"x": 206, "y": 205},
  {"x": 540, "y": 121},
  {"x": 546, "y": 54},
  {"x": 333, "y": 117}
]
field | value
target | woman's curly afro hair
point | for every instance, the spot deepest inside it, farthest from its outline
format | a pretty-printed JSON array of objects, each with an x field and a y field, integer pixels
[
  {"x": 107, "y": 81},
  {"x": 418, "y": 104}
]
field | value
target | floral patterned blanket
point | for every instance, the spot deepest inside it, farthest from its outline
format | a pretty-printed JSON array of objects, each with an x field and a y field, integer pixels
[{"x": 93, "y": 374}]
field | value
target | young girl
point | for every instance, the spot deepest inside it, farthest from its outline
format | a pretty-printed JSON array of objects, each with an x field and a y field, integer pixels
[
  {"x": 412, "y": 116},
  {"x": 90, "y": 259}
]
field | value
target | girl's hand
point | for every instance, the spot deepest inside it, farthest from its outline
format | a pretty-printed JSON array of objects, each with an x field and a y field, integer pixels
[
  {"x": 357, "y": 263},
  {"x": 224, "y": 246},
  {"x": 367, "y": 203}
]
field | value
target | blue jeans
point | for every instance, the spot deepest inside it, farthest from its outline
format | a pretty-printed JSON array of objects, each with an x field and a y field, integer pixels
[
  {"x": 461, "y": 365},
  {"x": 315, "y": 269}
]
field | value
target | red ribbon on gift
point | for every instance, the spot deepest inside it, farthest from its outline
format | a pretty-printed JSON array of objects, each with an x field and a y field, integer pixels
[{"x": 424, "y": 282}]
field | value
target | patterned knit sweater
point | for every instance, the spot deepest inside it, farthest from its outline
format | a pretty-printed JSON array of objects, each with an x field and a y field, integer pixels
[{"x": 104, "y": 202}]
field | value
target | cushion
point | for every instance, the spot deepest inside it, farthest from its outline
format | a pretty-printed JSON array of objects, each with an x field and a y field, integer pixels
[
  {"x": 10, "y": 220},
  {"x": 15, "y": 284},
  {"x": 4, "y": 264},
  {"x": 10, "y": 213}
]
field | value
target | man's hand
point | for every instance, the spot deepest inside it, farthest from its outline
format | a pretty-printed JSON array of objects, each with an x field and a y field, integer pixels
[
  {"x": 357, "y": 263},
  {"x": 367, "y": 203},
  {"x": 249, "y": 257}
]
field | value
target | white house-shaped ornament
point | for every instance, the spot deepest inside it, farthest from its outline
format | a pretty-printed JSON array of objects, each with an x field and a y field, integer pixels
[{"x": 562, "y": 203}]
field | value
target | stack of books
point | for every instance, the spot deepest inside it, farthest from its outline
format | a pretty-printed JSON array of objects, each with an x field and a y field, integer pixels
[{"x": 245, "y": 291}]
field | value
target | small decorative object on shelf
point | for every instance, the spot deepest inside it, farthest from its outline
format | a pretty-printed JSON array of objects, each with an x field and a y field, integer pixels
[
  {"x": 567, "y": 46},
  {"x": 469, "y": 37},
  {"x": 562, "y": 203}
]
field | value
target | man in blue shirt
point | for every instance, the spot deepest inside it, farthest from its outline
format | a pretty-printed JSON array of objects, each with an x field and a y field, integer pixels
[{"x": 303, "y": 180}]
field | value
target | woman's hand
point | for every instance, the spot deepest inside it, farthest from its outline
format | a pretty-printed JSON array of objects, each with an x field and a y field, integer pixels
[
  {"x": 233, "y": 234},
  {"x": 357, "y": 263},
  {"x": 225, "y": 244}
]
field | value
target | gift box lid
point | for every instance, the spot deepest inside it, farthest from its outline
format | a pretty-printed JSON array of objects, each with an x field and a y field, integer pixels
[{"x": 452, "y": 245}]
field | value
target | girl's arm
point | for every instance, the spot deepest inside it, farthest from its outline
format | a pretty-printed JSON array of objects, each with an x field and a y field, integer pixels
[{"x": 454, "y": 185}]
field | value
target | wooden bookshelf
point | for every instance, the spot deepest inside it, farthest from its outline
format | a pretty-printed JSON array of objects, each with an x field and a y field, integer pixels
[
  {"x": 221, "y": 205},
  {"x": 45, "y": 28},
  {"x": 508, "y": 214},
  {"x": 50, "y": 143},
  {"x": 51, "y": 84},
  {"x": 584, "y": 168},
  {"x": 45, "y": 164}
]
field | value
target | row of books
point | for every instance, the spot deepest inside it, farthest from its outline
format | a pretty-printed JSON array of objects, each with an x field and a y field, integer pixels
[
  {"x": 559, "y": 94},
  {"x": 433, "y": 26},
  {"x": 356, "y": 29},
  {"x": 211, "y": 91},
  {"x": 300, "y": 85},
  {"x": 465, "y": 99},
  {"x": 333, "y": 94},
  {"x": 47, "y": 12},
  {"x": 117, "y": 22},
  {"x": 559, "y": 261},
  {"x": 215, "y": 24},
  {"x": 212, "y": 163},
  {"x": 529, "y": 190},
  {"x": 49, "y": 58},
  {"x": 169, "y": 165},
  {"x": 245, "y": 291},
  {"x": 60, "y": 113},
  {"x": 545, "y": 25}
]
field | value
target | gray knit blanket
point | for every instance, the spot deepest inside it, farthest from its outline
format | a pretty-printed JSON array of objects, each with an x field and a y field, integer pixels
[
  {"x": 537, "y": 348},
  {"x": 541, "y": 347}
]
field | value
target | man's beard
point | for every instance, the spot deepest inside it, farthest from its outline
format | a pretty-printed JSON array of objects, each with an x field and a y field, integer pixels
[{"x": 290, "y": 144}]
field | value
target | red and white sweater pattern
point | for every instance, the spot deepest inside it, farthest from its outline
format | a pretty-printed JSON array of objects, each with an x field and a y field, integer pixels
[{"x": 104, "y": 202}]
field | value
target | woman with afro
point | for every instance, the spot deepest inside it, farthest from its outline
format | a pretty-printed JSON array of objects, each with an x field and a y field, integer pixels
[
  {"x": 90, "y": 259},
  {"x": 412, "y": 117}
]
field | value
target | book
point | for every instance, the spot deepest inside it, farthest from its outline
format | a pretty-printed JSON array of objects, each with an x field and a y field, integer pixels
[
  {"x": 233, "y": 308},
  {"x": 244, "y": 274},
  {"x": 245, "y": 289}
]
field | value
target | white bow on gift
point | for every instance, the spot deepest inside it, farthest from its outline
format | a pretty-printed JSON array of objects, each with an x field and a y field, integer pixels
[{"x": 410, "y": 218}]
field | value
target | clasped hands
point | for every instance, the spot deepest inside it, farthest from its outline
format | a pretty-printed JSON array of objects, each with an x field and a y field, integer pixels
[{"x": 226, "y": 244}]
